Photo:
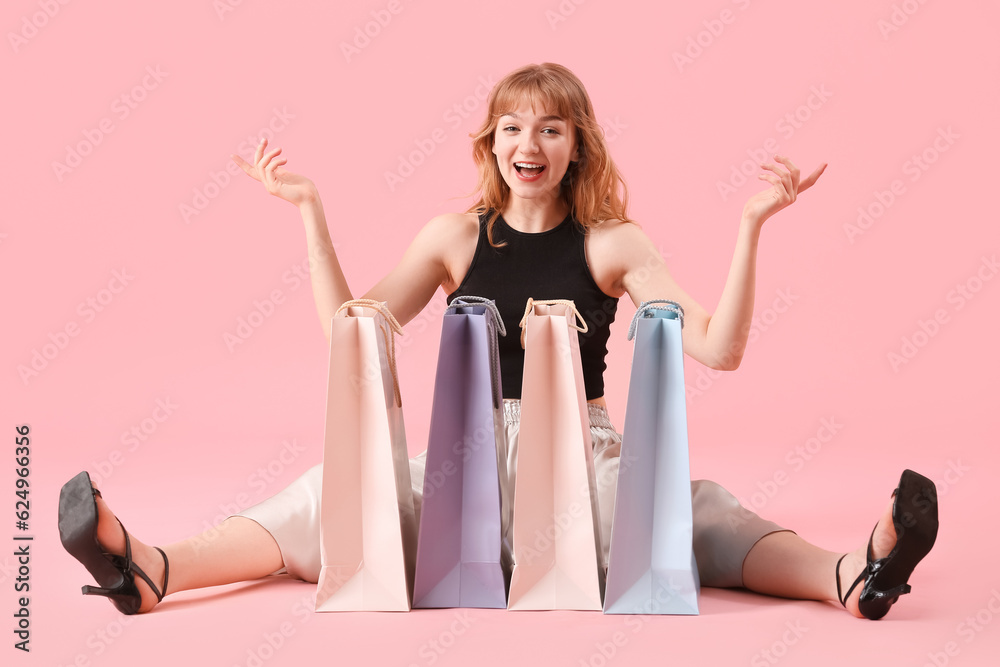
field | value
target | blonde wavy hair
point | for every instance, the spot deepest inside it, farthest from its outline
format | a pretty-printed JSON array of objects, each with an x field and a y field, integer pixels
[{"x": 593, "y": 187}]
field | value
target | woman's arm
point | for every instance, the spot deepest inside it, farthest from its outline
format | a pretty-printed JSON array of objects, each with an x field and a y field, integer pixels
[
  {"x": 330, "y": 288},
  {"x": 406, "y": 289},
  {"x": 717, "y": 340},
  {"x": 726, "y": 331}
]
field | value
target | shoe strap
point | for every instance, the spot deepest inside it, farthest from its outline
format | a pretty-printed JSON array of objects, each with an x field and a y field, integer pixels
[
  {"x": 130, "y": 567},
  {"x": 837, "y": 571},
  {"x": 166, "y": 571},
  {"x": 865, "y": 571},
  {"x": 871, "y": 567},
  {"x": 861, "y": 578}
]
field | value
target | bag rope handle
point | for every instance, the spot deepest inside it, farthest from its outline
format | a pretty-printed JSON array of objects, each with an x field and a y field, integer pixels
[
  {"x": 552, "y": 302},
  {"x": 494, "y": 342},
  {"x": 655, "y": 304},
  {"x": 490, "y": 304},
  {"x": 390, "y": 341}
]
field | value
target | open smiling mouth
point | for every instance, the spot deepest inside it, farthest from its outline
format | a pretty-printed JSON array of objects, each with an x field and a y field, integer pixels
[{"x": 529, "y": 169}]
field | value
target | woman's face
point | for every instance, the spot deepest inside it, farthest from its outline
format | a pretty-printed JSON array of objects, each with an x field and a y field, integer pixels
[{"x": 534, "y": 150}]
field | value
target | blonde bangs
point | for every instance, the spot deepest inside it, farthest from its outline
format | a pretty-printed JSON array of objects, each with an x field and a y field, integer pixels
[{"x": 538, "y": 92}]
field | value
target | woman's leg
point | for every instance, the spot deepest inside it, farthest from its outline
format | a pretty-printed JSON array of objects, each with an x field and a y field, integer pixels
[
  {"x": 785, "y": 565},
  {"x": 236, "y": 550}
]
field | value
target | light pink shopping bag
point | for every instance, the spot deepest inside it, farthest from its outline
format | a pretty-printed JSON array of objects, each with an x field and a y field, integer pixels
[
  {"x": 368, "y": 525},
  {"x": 556, "y": 538}
]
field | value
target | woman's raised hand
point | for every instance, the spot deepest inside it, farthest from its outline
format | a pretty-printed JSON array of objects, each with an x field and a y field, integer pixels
[
  {"x": 280, "y": 182},
  {"x": 787, "y": 187}
]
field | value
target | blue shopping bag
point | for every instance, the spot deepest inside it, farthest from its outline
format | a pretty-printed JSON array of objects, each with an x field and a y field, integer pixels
[{"x": 651, "y": 564}]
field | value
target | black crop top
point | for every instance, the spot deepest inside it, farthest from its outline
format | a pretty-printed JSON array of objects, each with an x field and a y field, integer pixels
[{"x": 546, "y": 265}]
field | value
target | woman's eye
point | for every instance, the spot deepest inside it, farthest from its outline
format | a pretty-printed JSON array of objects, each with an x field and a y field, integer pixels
[
  {"x": 509, "y": 128},
  {"x": 550, "y": 130}
]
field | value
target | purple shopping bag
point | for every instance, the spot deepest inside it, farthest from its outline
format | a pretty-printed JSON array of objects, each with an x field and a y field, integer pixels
[
  {"x": 461, "y": 558},
  {"x": 651, "y": 564}
]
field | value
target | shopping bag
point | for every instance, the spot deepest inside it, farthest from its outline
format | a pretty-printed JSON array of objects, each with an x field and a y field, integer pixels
[
  {"x": 368, "y": 526},
  {"x": 556, "y": 528},
  {"x": 460, "y": 552},
  {"x": 651, "y": 564}
]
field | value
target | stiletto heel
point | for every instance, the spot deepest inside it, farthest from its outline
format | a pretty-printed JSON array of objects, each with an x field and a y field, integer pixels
[
  {"x": 115, "y": 574},
  {"x": 915, "y": 518}
]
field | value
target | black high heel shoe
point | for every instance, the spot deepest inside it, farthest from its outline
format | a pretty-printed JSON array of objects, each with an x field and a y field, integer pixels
[
  {"x": 78, "y": 531},
  {"x": 915, "y": 517}
]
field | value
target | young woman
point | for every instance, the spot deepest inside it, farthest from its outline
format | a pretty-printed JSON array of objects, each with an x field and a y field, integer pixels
[{"x": 549, "y": 191}]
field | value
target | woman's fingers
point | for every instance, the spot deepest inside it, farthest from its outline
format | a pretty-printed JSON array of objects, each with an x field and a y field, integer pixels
[
  {"x": 267, "y": 168},
  {"x": 783, "y": 180},
  {"x": 273, "y": 165},
  {"x": 260, "y": 150},
  {"x": 791, "y": 177},
  {"x": 260, "y": 161},
  {"x": 812, "y": 178},
  {"x": 268, "y": 171},
  {"x": 773, "y": 167},
  {"x": 780, "y": 186},
  {"x": 266, "y": 159},
  {"x": 245, "y": 166},
  {"x": 786, "y": 186},
  {"x": 792, "y": 169}
]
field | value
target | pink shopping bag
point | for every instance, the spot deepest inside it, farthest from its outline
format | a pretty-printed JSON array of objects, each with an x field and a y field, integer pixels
[
  {"x": 556, "y": 528},
  {"x": 368, "y": 526}
]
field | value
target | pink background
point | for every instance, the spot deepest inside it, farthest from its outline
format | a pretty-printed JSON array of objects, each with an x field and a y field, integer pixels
[{"x": 851, "y": 294}]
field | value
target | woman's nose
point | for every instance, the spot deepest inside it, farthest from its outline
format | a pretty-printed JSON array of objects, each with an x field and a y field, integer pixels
[{"x": 528, "y": 143}]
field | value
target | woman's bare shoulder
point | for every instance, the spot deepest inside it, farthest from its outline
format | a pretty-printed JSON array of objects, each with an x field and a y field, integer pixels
[
  {"x": 454, "y": 224},
  {"x": 616, "y": 239},
  {"x": 454, "y": 237},
  {"x": 612, "y": 230},
  {"x": 612, "y": 248}
]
